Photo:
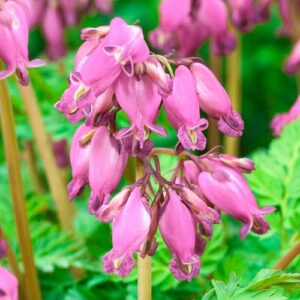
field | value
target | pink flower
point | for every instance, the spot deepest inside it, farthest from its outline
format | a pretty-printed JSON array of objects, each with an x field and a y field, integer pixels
[
  {"x": 178, "y": 229},
  {"x": 213, "y": 15},
  {"x": 106, "y": 166},
  {"x": 14, "y": 29},
  {"x": 123, "y": 46},
  {"x": 215, "y": 101},
  {"x": 3, "y": 249},
  {"x": 60, "y": 152},
  {"x": 130, "y": 228},
  {"x": 8, "y": 285},
  {"x": 183, "y": 111},
  {"x": 228, "y": 190},
  {"x": 79, "y": 158},
  {"x": 69, "y": 11},
  {"x": 281, "y": 120},
  {"x": 243, "y": 13},
  {"x": 104, "y": 6},
  {"x": 53, "y": 29},
  {"x": 292, "y": 64},
  {"x": 286, "y": 18},
  {"x": 140, "y": 99}
]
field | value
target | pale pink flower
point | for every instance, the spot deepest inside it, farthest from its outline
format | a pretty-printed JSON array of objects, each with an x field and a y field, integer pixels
[
  {"x": 8, "y": 285},
  {"x": 292, "y": 64},
  {"x": 178, "y": 228},
  {"x": 130, "y": 228}
]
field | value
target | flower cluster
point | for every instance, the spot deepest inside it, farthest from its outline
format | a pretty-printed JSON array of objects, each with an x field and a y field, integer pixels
[
  {"x": 114, "y": 70},
  {"x": 55, "y": 15},
  {"x": 204, "y": 19},
  {"x": 14, "y": 29}
]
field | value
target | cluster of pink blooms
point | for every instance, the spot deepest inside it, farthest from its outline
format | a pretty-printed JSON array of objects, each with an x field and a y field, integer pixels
[
  {"x": 204, "y": 19},
  {"x": 114, "y": 70},
  {"x": 8, "y": 282},
  {"x": 55, "y": 15},
  {"x": 14, "y": 30}
]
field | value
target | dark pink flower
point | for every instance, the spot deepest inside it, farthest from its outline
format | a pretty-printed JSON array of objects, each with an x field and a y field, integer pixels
[
  {"x": 178, "y": 229},
  {"x": 104, "y": 6},
  {"x": 8, "y": 285},
  {"x": 243, "y": 13},
  {"x": 130, "y": 228},
  {"x": 281, "y": 120},
  {"x": 286, "y": 18},
  {"x": 61, "y": 153},
  {"x": 215, "y": 101},
  {"x": 183, "y": 110},
  {"x": 3, "y": 249}
]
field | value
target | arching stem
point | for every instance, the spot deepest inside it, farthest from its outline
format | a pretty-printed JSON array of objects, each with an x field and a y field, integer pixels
[{"x": 284, "y": 262}]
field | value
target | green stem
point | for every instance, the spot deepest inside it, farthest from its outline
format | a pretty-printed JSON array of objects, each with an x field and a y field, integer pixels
[{"x": 18, "y": 198}]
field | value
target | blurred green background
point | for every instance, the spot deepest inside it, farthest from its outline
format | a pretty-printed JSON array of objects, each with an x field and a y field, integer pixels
[{"x": 266, "y": 91}]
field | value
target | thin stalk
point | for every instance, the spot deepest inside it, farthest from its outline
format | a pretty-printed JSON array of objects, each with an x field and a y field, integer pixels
[
  {"x": 214, "y": 137},
  {"x": 18, "y": 198},
  {"x": 144, "y": 264},
  {"x": 284, "y": 262},
  {"x": 54, "y": 178},
  {"x": 233, "y": 83},
  {"x": 30, "y": 161}
]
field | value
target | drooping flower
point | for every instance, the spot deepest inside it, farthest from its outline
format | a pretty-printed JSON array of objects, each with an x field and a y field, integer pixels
[
  {"x": 106, "y": 165},
  {"x": 140, "y": 99},
  {"x": 53, "y": 30},
  {"x": 215, "y": 101},
  {"x": 130, "y": 228},
  {"x": 14, "y": 29},
  {"x": 213, "y": 15},
  {"x": 178, "y": 229},
  {"x": 242, "y": 13},
  {"x": 79, "y": 158},
  {"x": 281, "y": 120},
  {"x": 104, "y": 5},
  {"x": 228, "y": 190},
  {"x": 183, "y": 110},
  {"x": 8, "y": 285}
]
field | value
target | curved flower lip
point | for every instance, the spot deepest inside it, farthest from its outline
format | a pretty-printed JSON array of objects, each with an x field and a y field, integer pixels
[{"x": 94, "y": 33}]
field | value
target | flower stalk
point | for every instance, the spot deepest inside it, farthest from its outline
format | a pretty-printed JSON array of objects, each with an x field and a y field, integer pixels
[
  {"x": 13, "y": 163},
  {"x": 54, "y": 178},
  {"x": 285, "y": 261},
  {"x": 144, "y": 264},
  {"x": 233, "y": 83}
]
